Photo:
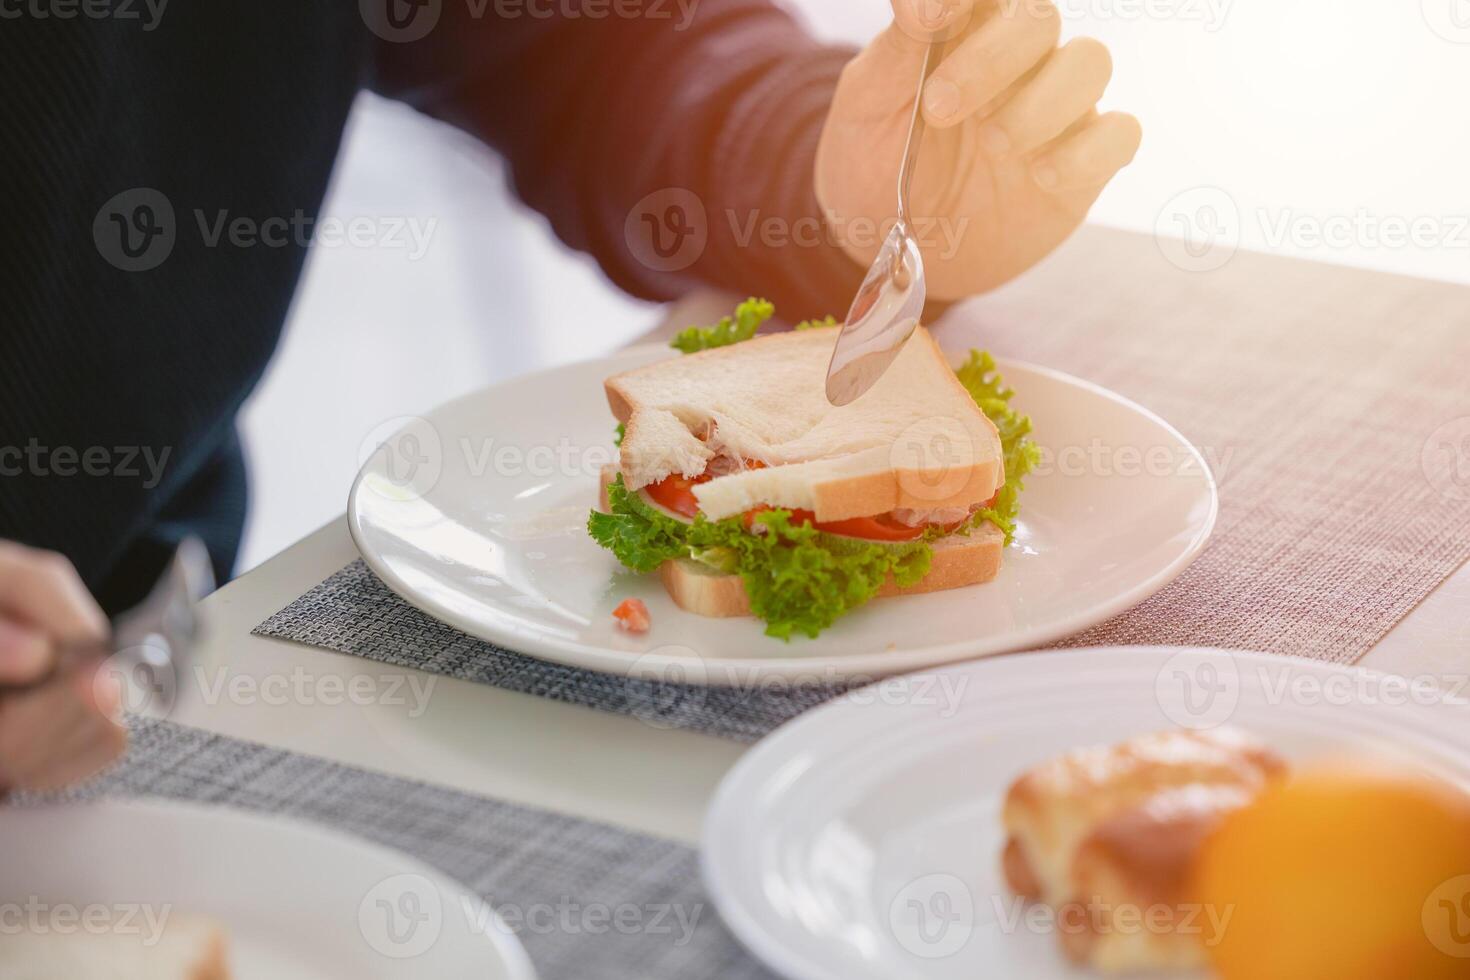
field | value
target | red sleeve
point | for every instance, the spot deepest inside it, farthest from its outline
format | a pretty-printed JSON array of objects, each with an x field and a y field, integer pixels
[{"x": 673, "y": 140}]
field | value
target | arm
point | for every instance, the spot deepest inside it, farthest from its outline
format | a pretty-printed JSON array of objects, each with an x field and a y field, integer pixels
[{"x": 676, "y": 145}]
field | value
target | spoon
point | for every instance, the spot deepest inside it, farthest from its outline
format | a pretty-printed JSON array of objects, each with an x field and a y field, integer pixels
[{"x": 891, "y": 298}]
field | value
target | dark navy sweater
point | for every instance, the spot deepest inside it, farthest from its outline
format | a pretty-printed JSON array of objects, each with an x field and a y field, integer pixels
[{"x": 129, "y": 336}]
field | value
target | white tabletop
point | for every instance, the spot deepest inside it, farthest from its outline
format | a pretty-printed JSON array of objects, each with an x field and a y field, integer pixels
[{"x": 528, "y": 749}]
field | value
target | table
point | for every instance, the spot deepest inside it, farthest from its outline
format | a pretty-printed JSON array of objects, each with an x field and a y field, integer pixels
[{"x": 539, "y": 752}]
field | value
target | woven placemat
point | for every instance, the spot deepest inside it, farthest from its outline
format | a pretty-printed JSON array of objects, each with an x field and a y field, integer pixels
[
  {"x": 354, "y": 612},
  {"x": 1333, "y": 405},
  {"x": 531, "y": 861}
]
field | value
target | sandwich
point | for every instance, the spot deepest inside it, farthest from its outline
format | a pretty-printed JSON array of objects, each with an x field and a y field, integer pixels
[
  {"x": 750, "y": 494},
  {"x": 1108, "y": 837},
  {"x": 187, "y": 947}
]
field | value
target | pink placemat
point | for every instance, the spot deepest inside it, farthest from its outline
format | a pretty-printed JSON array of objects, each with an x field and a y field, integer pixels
[{"x": 1333, "y": 405}]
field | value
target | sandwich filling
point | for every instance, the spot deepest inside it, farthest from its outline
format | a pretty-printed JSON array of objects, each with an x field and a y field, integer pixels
[{"x": 800, "y": 574}]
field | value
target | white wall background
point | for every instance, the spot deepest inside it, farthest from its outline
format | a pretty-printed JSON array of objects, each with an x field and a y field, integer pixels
[{"x": 1337, "y": 130}]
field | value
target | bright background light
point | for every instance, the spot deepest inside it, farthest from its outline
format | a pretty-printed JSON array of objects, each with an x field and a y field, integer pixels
[{"x": 1348, "y": 117}]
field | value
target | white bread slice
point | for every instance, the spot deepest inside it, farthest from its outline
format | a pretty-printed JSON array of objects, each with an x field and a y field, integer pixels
[
  {"x": 915, "y": 441},
  {"x": 190, "y": 947},
  {"x": 959, "y": 560}
]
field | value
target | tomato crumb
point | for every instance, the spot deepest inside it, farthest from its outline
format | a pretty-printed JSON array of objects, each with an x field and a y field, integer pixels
[{"x": 632, "y": 615}]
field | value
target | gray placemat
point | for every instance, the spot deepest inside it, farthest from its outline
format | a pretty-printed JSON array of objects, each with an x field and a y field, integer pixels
[
  {"x": 556, "y": 874},
  {"x": 354, "y": 612}
]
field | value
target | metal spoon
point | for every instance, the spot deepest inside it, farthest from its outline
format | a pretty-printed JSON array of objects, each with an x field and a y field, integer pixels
[{"x": 891, "y": 298}]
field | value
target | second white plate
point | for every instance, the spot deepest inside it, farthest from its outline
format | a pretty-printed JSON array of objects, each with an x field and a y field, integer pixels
[
  {"x": 477, "y": 514},
  {"x": 863, "y": 840}
]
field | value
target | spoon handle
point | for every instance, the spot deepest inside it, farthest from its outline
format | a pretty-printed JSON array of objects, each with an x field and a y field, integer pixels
[{"x": 916, "y": 130}]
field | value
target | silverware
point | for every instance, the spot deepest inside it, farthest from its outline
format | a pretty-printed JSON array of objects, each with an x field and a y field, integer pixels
[
  {"x": 150, "y": 643},
  {"x": 891, "y": 299}
]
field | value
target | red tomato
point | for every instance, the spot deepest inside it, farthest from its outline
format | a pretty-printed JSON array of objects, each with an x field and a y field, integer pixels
[
  {"x": 880, "y": 528},
  {"x": 677, "y": 494},
  {"x": 632, "y": 615}
]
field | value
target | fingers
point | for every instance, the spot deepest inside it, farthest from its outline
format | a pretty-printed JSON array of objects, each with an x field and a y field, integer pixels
[
  {"x": 923, "y": 21},
  {"x": 1089, "y": 156},
  {"x": 999, "y": 52},
  {"x": 1065, "y": 90},
  {"x": 25, "y": 654},
  {"x": 60, "y": 733},
  {"x": 42, "y": 590}
]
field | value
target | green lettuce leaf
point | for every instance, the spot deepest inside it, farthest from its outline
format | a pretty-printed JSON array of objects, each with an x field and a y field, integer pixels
[
  {"x": 830, "y": 321},
  {"x": 800, "y": 580},
  {"x": 730, "y": 330},
  {"x": 1021, "y": 454}
]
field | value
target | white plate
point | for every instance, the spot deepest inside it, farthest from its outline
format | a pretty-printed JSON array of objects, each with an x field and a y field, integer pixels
[
  {"x": 863, "y": 840},
  {"x": 298, "y": 902},
  {"x": 477, "y": 515}
]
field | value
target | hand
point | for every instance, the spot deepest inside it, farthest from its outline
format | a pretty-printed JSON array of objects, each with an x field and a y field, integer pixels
[
  {"x": 69, "y": 727},
  {"x": 1015, "y": 152}
]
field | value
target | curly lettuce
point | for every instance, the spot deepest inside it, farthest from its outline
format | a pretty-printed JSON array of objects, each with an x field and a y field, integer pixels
[
  {"x": 1021, "y": 454},
  {"x": 730, "y": 330},
  {"x": 799, "y": 580}
]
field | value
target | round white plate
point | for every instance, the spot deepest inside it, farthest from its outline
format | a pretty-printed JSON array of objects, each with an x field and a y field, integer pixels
[
  {"x": 863, "y": 839},
  {"x": 299, "y": 903},
  {"x": 477, "y": 515}
]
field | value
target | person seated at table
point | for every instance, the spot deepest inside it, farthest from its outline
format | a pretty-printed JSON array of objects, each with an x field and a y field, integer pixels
[{"x": 650, "y": 135}]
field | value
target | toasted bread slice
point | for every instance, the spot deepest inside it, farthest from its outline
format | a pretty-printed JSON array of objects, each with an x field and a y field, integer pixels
[
  {"x": 959, "y": 560},
  {"x": 915, "y": 441},
  {"x": 188, "y": 947}
]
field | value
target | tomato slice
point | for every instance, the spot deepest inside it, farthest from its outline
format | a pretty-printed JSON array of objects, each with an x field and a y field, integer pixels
[
  {"x": 880, "y": 528},
  {"x": 677, "y": 494}
]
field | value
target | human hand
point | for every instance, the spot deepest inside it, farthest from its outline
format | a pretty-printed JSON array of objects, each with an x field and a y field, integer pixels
[
  {"x": 68, "y": 727},
  {"x": 1015, "y": 152}
]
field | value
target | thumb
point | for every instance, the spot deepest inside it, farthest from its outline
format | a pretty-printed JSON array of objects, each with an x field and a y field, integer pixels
[
  {"x": 887, "y": 70},
  {"x": 919, "y": 22}
]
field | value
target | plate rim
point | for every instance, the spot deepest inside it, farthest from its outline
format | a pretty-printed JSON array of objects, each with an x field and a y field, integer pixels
[
  {"x": 738, "y": 782},
  {"x": 505, "y": 944},
  {"x": 737, "y": 671}
]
